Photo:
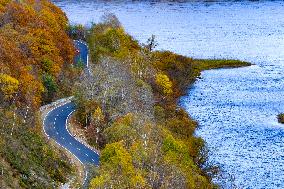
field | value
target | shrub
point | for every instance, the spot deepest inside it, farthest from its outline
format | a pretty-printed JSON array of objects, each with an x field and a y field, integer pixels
[{"x": 280, "y": 118}]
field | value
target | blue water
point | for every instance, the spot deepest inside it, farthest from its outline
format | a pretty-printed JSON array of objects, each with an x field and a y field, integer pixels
[{"x": 236, "y": 108}]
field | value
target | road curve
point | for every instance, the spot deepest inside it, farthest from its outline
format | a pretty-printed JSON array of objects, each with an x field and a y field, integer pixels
[
  {"x": 55, "y": 123},
  {"x": 55, "y": 126}
]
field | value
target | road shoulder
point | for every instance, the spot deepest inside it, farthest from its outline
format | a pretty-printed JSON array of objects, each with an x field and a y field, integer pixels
[
  {"x": 79, "y": 175},
  {"x": 78, "y": 132}
]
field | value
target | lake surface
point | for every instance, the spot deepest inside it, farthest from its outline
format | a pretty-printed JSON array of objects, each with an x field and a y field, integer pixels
[{"x": 236, "y": 108}]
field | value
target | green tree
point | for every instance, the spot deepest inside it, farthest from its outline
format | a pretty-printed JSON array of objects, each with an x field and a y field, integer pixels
[{"x": 50, "y": 87}]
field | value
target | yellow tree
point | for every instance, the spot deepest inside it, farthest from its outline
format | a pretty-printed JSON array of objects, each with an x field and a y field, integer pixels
[
  {"x": 8, "y": 85},
  {"x": 163, "y": 82},
  {"x": 97, "y": 118},
  {"x": 122, "y": 175}
]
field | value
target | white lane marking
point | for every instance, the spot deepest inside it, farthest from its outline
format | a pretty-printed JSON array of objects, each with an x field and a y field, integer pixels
[
  {"x": 55, "y": 118},
  {"x": 48, "y": 137},
  {"x": 57, "y": 115},
  {"x": 62, "y": 110},
  {"x": 54, "y": 123},
  {"x": 70, "y": 143},
  {"x": 87, "y": 155},
  {"x": 66, "y": 127},
  {"x": 63, "y": 138},
  {"x": 57, "y": 133},
  {"x": 93, "y": 160},
  {"x": 78, "y": 149}
]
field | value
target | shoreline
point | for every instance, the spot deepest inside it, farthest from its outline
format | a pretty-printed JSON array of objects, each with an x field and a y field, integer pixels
[
  {"x": 172, "y": 76},
  {"x": 238, "y": 64}
]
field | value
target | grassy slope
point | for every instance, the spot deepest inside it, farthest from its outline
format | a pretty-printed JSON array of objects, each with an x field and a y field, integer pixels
[
  {"x": 200, "y": 65},
  {"x": 206, "y": 64},
  {"x": 27, "y": 160}
]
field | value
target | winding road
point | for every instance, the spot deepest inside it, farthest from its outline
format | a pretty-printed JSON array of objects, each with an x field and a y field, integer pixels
[{"x": 55, "y": 123}]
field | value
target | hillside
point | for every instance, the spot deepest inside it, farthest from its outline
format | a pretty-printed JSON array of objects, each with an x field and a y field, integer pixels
[
  {"x": 129, "y": 109},
  {"x": 35, "y": 62},
  {"x": 128, "y": 106}
]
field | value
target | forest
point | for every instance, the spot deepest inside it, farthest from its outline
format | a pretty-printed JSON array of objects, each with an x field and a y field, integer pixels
[
  {"x": 128, "y": 105},
  {"x": 129, "y": 109},
  {"x": 36, "y": 57}
]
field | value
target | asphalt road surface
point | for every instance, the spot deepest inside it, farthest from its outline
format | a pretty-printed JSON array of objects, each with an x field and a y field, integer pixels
[
  {"x": 56, "y": 120},
  {"x": 83, "y": 52},
  {"x": 55, "y": 128}
]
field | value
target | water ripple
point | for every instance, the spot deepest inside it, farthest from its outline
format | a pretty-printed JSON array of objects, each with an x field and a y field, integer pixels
[{"x": 236, "y": 108}]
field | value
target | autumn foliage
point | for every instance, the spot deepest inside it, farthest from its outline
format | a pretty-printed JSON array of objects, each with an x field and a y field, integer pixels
[
  {"x": 146, "y": 140},
  {"x": 33, "y": 47},
  {"x": 35, "y": 61},
  {"x": 8, "y": 86}
]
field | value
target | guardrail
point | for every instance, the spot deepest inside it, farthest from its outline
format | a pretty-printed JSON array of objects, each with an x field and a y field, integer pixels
[{"x": 55, "y": 103}]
